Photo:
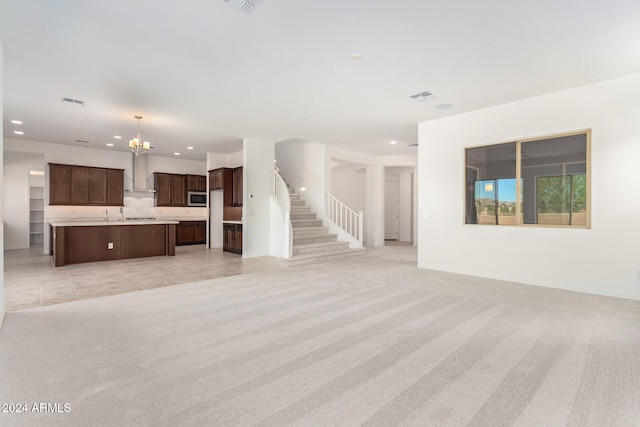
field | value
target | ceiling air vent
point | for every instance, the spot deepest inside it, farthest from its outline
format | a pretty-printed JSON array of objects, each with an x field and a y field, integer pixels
[
  {"x": 246, "y": 6},
  {"x": 421, "y": 95},
  {"x": 73, "y": 101}
]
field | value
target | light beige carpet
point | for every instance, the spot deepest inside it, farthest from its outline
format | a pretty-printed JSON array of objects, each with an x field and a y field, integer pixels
[{"x": 372, "y": 341}]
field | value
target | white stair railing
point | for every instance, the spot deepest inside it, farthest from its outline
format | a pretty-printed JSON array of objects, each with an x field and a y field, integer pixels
[
  {"x": 344, "y": 217},
  {"x": 283, "y": 200}
]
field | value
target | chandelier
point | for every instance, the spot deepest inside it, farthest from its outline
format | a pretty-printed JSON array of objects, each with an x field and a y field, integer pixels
[{"x": 136, "y": 144}]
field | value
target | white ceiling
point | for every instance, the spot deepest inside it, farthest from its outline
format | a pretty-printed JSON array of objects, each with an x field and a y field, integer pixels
[{"x": 203, "y": 74}]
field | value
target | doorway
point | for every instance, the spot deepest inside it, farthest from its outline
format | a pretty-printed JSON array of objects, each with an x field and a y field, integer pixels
[
  {"x": 391, "y": 207},
  {"x": 36, "y": 208}
]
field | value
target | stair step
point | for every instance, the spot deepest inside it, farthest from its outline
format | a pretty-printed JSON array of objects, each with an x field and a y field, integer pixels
[
  {"x": 333, "y": 256},
  {"x": 320, "y": 247},
  {"x": 304, "y": 240},
  {"x": 310, "y": 231},
  {"x": 296, "y": 216},
  {"x": 297, "y": 203},
  {"x": 306, "y": 223},
  {"x": 300, "y": 209}
]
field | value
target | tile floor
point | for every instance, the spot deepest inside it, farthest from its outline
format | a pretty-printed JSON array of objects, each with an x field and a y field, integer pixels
[{"x": 31, "y": 280}]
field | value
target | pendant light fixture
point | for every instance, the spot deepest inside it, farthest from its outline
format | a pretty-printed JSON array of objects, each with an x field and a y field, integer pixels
[{"x": 137, "y": 146}]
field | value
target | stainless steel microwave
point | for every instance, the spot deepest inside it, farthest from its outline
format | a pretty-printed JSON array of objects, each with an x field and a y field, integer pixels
[{"x": 196, "y": 198}]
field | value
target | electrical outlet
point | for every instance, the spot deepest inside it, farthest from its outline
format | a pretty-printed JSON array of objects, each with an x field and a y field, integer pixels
[{"x": 110, "y": 245}]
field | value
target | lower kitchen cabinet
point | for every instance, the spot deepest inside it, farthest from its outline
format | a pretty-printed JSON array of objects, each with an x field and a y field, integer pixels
[
  {"x": 232, "y": 238},
  {"x": 191, "y": 233}
]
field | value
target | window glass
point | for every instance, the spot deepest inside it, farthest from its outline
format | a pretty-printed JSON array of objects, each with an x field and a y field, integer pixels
[
  {"x": 491, "y": 189},
  {"x": 553, "y": 183}
]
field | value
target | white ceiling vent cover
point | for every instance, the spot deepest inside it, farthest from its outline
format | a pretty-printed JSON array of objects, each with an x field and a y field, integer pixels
[
  {"x": 421, "y": 95},
  {"x": 246, "y": 6}
]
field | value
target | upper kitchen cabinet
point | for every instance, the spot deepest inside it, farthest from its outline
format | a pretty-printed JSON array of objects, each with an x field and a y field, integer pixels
[
  {"x": 196, "y": 183},
  {"x": 115, "y": 187},
  {"x": 59, "y": 184},
  {"x": 85, "y": 186},
  {"x": 80, "y": 186},
  {"x": 216, "y": 178},
  {"x": 237, "y": 186},
  {"x": 170, "y": 189}
]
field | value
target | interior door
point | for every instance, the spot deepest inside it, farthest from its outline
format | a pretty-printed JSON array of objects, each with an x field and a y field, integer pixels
[{"x": 391, "y": 210}]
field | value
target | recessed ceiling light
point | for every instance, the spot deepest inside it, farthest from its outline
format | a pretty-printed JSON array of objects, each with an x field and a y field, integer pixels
[
  {"x": 117, "y": 136},
  {"x": 443, "y": 106},
  {"x": 393, "y": 142},
  {"x": 189, "y": 148},
  {"x": 109, "y": 144},
  {"x": 176, "y": 154},
  {"x": 18, "y": 132},
  {"x": 16, "y": 122},
  {"x": 357, "y": 57}
]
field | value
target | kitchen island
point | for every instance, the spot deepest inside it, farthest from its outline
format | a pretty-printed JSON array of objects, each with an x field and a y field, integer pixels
[{"x": 89, "y": 241}]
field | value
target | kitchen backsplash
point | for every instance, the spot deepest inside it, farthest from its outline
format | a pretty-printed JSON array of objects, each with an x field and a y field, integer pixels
[{"x": 134, "y": 207}]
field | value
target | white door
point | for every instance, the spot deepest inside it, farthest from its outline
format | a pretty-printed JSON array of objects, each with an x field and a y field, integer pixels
[{"x": 391, "y": 210}]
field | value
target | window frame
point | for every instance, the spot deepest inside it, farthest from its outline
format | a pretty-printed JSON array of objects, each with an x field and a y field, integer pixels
[{"x": 519, "y": 220}]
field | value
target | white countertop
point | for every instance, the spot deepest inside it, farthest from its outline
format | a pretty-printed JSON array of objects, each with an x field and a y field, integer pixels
[
  {"x": 67, "y": 223},
  {"x": 232, "y": 222}
]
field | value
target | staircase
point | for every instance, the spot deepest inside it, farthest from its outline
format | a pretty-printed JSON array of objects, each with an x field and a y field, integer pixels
[{"x": 311, "y": 240}]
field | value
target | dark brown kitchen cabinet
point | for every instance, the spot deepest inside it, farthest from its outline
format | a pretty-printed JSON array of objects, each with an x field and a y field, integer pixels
[
  {"x": 190, "y": 232},
  {"x": 232, "y": 238},
  {"x": 97, "y": 186},
  {"x": 115, "y": 187},
  {"x": 162, "y": 184},
  {"x": 196, "y": 183},
  {"x": 59, "y": 184},
  {"x": 178, "y": 192},
  {"x": 237, "y": 186},
  {"x": 85, "y": 186},
  {"x": 80, "y": 186},
  {"x": 170, "y": 189},
  {"x": 215, "y": 179}
]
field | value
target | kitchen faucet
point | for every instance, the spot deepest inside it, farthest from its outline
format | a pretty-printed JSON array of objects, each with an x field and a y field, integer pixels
[
  {"x": 121, "y": 217},
  {"x": 106, "y": 212}
]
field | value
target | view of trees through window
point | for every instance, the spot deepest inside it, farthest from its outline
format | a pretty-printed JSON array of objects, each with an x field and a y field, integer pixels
[
  {"x": 562, "y": 198},
  {"x": 551, "y": 186}
]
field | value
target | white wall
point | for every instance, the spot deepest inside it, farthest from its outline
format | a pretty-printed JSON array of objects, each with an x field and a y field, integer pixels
[
  {"x": 217, "y": 160},
  {"x": 349, "y": 186},
  {"x": 304, "y": 164},
  {"x": 1, "y": 194},
  {"x": 257, "y": 182},
  {"x": 16, "y": 196},
  {"x": 374, "y": 211},
  {"x": 603, "y": 259}
]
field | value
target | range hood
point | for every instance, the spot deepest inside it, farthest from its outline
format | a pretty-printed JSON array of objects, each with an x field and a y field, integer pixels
[{"x": 140, "y": 175}]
